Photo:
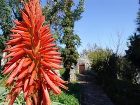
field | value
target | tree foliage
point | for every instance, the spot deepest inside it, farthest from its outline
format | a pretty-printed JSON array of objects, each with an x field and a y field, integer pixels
[
  {"x": 133, "y": 52},
  {"x": 69, "y": 39},
  {"x": 126, "y": 71},
  {"x": 61, "y": 16},
  {"x": 55, "y": 12},
  {"x": 138, "y": 21},
  {"x": 9, "y": 10},
  {"x": 104, "y": 63}
]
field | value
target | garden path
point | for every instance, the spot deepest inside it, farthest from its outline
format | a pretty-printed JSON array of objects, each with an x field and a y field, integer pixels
[{"x": 91, "y": 93}]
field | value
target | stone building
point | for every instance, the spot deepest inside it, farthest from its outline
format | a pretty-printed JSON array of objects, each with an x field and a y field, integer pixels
[{"x": 83, "y": 64}]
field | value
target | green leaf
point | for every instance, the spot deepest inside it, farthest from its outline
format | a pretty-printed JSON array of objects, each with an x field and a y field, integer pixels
[
  {"x": 2, "y": 90},
  {"x": 57, "y": 103}
]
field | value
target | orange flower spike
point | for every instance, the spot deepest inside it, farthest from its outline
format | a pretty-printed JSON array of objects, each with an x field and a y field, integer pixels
[
  {"x": 32, "y": 58},
  {"x": 26, "y": 19},
  {"x": 26, "y": 84},
  {"x": 35, "y": 99},
  {"x": 16, "y": 46},
  {"x": 46, "y": 94},
  {"x": 9, "y": 69},
  {"x": 51, "y": 84},
  {"x": 31, "y": 67},
  {"x": 23, "y": 74},
  {"x": 14, "y": 59},
  {"x": 26, "y": 64},
  {"x": 28, "y": 101},
  {"x": 9, "y": 55},
  {"x": 55, "y": 78},
  {"x": 32, "y": 77}
]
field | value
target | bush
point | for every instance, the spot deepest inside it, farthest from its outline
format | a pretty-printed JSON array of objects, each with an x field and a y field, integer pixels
[
  {"x": 123, "y": 92},
  {"x": 70, "y": 97},
  {"x": 126, "y": 70},
  {"x": 104, "y": 63},
  {"x": 116, "y": 75}
]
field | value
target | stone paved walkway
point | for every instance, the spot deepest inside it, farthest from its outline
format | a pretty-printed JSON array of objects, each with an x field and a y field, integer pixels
[{"x": 91, "y": 93}]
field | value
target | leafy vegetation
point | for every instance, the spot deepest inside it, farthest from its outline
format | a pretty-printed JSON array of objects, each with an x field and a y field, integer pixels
[
  {"x": 9, "y": 10},
  {"x": 71, "y": 97},
  {"x": 133, "y": 52},
  {"x": 123, "y": 92},
  {"x": 116, "y": 75},
  {"x": 69, "y": 39},
  {"x": 62, "y": 17}
]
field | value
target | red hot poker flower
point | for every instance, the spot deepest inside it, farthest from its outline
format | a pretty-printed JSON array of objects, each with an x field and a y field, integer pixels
[{"x": 33, "y": 58}]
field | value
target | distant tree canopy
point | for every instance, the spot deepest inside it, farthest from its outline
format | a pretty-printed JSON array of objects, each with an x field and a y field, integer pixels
[{"x": 99, "y": 54}]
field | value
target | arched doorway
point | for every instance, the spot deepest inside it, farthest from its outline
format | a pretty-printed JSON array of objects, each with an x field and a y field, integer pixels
[{"x": 81, "y": 68}]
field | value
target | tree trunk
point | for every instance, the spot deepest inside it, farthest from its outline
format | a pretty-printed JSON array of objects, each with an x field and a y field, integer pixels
[{"x": 66, "y": 74}]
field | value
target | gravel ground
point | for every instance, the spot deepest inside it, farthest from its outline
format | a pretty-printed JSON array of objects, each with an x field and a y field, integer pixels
[{"x": 91, "y": 93}]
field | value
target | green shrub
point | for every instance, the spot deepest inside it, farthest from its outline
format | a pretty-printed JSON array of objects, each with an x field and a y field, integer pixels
[
  {"x": 70, "y": 97},
  {"x": 123, "y": 92},
  {"x": 126, "y": 70},
  {"x": 4, "y": 92},
  {"x": 104, "y": 63},
  {"x": 108, "y": 67},
  {"x": 65, "y": 99}
]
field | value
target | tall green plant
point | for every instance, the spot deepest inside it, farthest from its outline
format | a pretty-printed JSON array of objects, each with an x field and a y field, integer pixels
[{"x": 69, "y": 39}]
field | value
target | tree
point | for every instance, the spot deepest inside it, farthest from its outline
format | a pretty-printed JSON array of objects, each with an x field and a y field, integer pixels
[
  {"x": 9, "y": 10},
  {"x": 138, "y": 21},
  {"x": 61, "y": 16},
  {"x": 133, "y": 52},
  {"x": 53, "y": 12},
  {"x": 89, "y": 48},
  {"x": 69, "y": 39}
]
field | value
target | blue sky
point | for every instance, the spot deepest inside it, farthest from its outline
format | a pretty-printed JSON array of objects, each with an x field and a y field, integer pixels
[{"x": 103, "y": 20}]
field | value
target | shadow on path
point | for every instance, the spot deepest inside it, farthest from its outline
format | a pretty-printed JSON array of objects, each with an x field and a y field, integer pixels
[{"x": 91, "y": 93}]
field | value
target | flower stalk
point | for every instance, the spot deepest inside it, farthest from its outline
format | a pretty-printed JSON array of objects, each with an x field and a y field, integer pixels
[{"x": 33, "y": 58}]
